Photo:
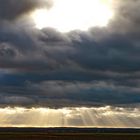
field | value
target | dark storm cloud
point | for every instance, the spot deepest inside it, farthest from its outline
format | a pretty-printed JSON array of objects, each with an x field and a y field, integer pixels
[
  {"x": 127, "y": 18},
  {"x": 63, "y": 93},
  {"x": 11, "y": 9},
  {"x": 49, "y": 68}
]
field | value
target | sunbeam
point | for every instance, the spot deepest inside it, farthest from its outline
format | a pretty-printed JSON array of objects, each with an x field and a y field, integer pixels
[{"x": 67, "y": 117}]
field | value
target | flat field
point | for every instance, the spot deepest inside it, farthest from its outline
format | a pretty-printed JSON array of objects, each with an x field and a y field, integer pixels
[{"x": 67, "y": 136}]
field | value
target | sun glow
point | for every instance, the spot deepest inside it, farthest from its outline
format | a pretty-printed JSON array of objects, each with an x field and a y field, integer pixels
[
  {"x": 68, "y": 15},
  {"x": 106, "y": 116}
]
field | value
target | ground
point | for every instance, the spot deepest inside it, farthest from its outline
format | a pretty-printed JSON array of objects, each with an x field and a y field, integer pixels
[{"x": 67, "y": 136}]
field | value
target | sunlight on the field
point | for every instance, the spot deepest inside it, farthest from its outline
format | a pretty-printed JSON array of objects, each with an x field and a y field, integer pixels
[
  {"x": 67, "y": 15},
  {"x": 69, "y": 117}
]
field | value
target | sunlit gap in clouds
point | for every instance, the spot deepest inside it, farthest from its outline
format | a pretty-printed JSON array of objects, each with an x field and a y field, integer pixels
[
  {"x": 68, "y": 15},
  {"x": 115, "y": 117}
]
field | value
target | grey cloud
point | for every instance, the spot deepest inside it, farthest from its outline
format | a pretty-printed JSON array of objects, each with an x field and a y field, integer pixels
[
  {"x": 11, "y": 9},
  {"x": 72, "y": 94},
  {"x": 6, "y": 51},
  {"x": 127, "y": 18},
  {"x": 97, "y": 67}
]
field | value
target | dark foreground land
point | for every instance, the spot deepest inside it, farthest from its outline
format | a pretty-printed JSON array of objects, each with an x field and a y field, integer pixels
[{"x": 68, "y": 134}]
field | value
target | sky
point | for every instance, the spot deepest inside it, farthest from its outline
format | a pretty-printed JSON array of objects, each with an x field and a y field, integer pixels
[{"x": 78, "y": 68}]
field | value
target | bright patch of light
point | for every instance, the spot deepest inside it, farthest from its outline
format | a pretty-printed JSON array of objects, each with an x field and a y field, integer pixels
[
  {"x": 67, "y": 15},
  {"x": 106, "y": 116}
]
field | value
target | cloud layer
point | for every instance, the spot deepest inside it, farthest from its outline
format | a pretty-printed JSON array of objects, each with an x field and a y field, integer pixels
[{"x": 49, "y": 68}]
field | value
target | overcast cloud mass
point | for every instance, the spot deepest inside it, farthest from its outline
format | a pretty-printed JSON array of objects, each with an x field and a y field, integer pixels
[{"x": 46, "y": 68}]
